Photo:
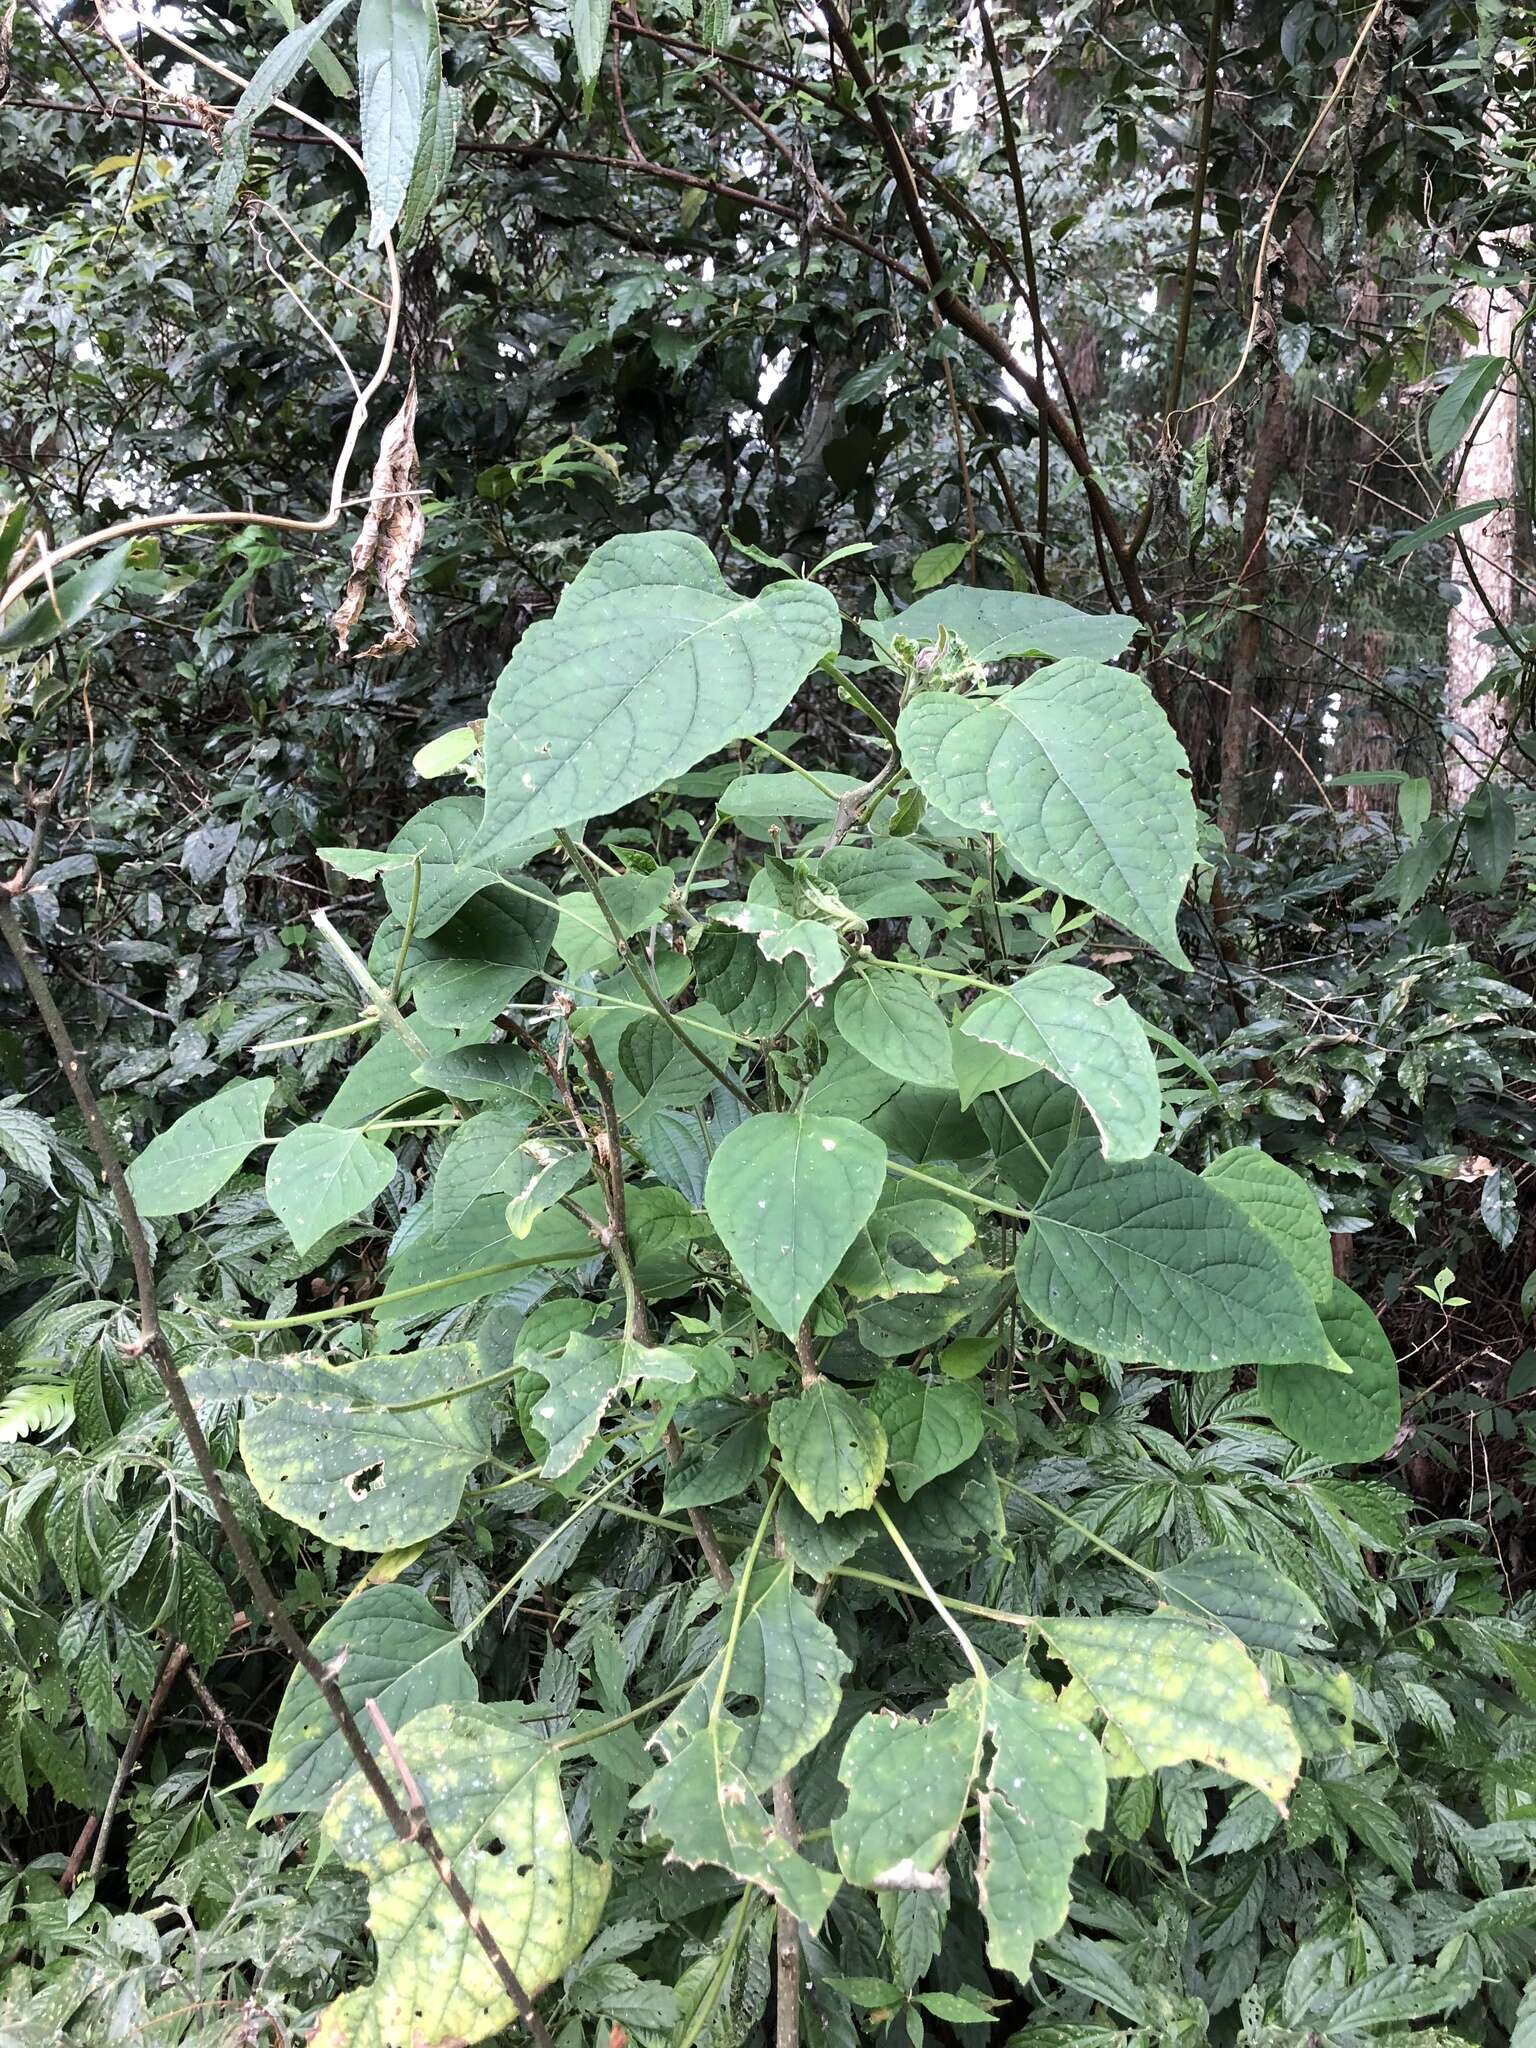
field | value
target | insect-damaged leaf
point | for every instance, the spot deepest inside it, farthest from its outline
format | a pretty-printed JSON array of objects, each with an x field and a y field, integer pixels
[
  {"x": 393, "y": 1647},
  {"x": 492, "y": 1793},
  {"x": 343, "y": 1451},
  {"x": 650, "y": 663},
  {"x": 1146, "y": 1263},
  {"x": 582, "y": 1381},
  {"x": 908, "y": 1782},
  {"x": 788, "y": 1195},
  {"x": 702, "y": 1803},
  {"x": 831, "y": 1449},
  {"x": 1078, "y": 774}
]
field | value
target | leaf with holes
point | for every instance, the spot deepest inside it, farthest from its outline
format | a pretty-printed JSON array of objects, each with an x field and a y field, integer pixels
[
  {"x": 702, "y": 1803},
  {"x": 1078, "y": 774},
  {"x": 786, "y": 1659},
  {"x": 1349, "y": 1420},
  {"x": 1281, "y": 1204},
  {"x": 908, "y": 1783},
  {"x": 788, "y": 1195},
  {"x": 1070, "y": 1022},
  {"x": 831, "y": 1449},
  {"x": 649, "y": 663},
  {"x": 930, "y": 1427},
  {"x": 188, "y": 1164},
  {"x": 319, "y": 1176},
  {"x": 897, "y": 1027},
  {"x": 332, "y": 1448},
  {"x": 1147, "y": 1264},
  {"x": 1174, "y": 1691},
  {"x": 492, "y": 1793},
  {"x": 392, "y": 1646}
]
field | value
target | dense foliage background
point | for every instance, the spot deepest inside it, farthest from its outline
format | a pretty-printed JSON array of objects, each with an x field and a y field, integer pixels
[{"x": 1215, "y": 320}]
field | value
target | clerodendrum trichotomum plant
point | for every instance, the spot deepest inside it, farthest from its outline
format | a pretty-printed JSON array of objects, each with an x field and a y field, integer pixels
[{"x": 740, "y": 1187}]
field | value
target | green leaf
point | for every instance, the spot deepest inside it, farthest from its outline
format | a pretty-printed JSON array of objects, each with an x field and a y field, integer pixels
[
  {"x": 1246, "y": 1594},
  {"x": 492, "y": 1792},
  {"x": 443, "y": 837},
  {"x": 464, "y": 974},
  {"x": 584, "y": 940},
  {"x": 1044, "y": 1794},
  {"x": 267, "y": 82},
  {"x": 878, "y": 1265},
  {"x": 786, "y": 1659},
  {"x": 788, "y": 1194},
  {"x": 897, "y": 1026},
  {"x": 1348, "y": 1421},
  {"x": 323, "y": 1448},
  {"x": 396, "y": 41},
  {"x": 937, "y": 565},
  {"x": 384, "y": 1077},
  {"x": 580, "y": 1384},
  {"x": 547, "y": 1176},
  {"x": 386, "y": 1643},
  {"x": 982, "y": 1069},
  {"x": 188, "y": 1164},
  {"x": 649, "y": 663},
  {"x": 66, "y": 605},
  {"x": 1459, "y": 404},
  {"x": 702, "y": 1803},
  {"x": 1146, "y": 1264},
  {"x": 1078, "y": 774},
  {"x": 908, "y": 1783},
  {"x": 1437, "y": 528},
  {"x": 831, "y": 1449},
  {"x": 589, "y": 37},
  {"x": 1070, "y": 1022},
  {"x": 1028, "y": 1127},
  {"x": 1281, "y": 1204},
  {"x": 430, "y": 171},
  {"x": 1174, "y": 1691},
  {"x": 319, "y": 1176},
  {"x": 483, "y": 1157},
  {"x": 997, "y": 625},
  {"x": 780, "y": 934},
  {"x": 930, "y": 1428}
]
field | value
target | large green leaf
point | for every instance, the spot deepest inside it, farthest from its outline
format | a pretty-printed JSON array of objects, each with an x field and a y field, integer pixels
[
  {"x": 267, "y": 82},
  {"x": 66, "y": 604},
  {"x": 319, "y": 1176},
  {"x": 930, "y": 1426},
  {"x": 788, "y": 1194},
  {"x": 395, "y": 44},
  {"x": 582, "y": 1381},
  {"x": 1070, "y": 1022},
  {"x": 387, "y": 1643},
  {"x": 1175, "y": 1691},
  {"x": 1044, "y": 1794},
  {"x": 1078, "y": 774},
  {"x": 788, "y": 1660},
  {"x": 344, "y": 1451},
  {"x": 441, "y": 839},
  {"x": 897, "y": 1026},
  {"x": 649, "y": 664},
  {"x": 466, "y": 972},
  {"x": 1029, "y": 1125},
  {"x": 702, "y": 1803},
  {"x": 996, "y": 625},
  {"x": 831, "y": 1449},
  {"x": 483, "y": 1157},
  {"x": 1283, "y": 1207},
  {"x": 1349, "y": 1420},
  {"x": 492, "y": 1793},
  {"x": 908, "y": 1783},
  {"x": 188, "y": 1163},
  {"x": 1147, "y": 1264}
]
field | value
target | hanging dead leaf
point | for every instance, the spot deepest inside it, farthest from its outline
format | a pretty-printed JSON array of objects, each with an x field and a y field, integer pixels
[{"x": 390, "y": 540}]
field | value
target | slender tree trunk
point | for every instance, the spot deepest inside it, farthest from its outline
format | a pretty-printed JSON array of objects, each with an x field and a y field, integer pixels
[
  {"x": 1485, "y": 573},
  {"x": 1252, "y": 588}
]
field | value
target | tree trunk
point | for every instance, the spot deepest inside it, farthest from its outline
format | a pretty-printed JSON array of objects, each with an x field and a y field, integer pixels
[
  {"x": 1488, "y": 587},
  {"x": 1252, "y": 588}
]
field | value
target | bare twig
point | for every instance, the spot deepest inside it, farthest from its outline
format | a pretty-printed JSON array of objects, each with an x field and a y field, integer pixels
[{"x": 170, "y": 1670}]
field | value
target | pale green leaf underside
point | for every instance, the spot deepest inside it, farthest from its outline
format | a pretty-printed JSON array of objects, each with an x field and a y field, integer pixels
[
  {"x": 1174, "y": 1691},
  {"x": 1349, "y": 1420},
  {"x": 1148, "y": 1264},
  {"x": 319, "y": 1176},
  {"x": 786, "y": 1659},
  {"x": 650, "y": 663},
  {"x": 1078, "y": 774},
  {"x": 582, "y": 1381},
  {"x": 997, "y": 625},
  {"x": 703, "y": 1805},
  {"x": 1283, "y": 1207},
  {"x": 400, "y": 1652},
  {"x": 396, "y": 45},
  {"x": 493, "y": 1794},
  {"x": 788, "y": 1194},
  {"x": 897, "y": 1027},
  {"x": 320, "y": 1453},
  {"x": 484, "y": 1157},
  {"x": 188, "y": 1164},
  {"x": 831, "y": 1449},
  {"x": 1069, "y": 1021}
]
